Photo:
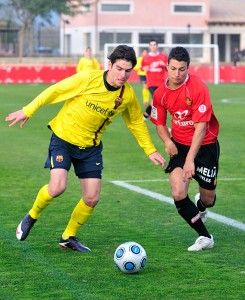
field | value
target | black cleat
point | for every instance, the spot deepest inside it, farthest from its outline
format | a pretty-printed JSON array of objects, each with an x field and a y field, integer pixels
[
  {"x": 73, "y": 243},
  {"x": 24, "y": 227}
]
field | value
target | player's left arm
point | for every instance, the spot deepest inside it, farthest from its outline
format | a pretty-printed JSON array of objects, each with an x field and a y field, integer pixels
[
  {"x": 133, "y": 119},
  {"x": 197, "y": 139},
  {"x": 157, "y": 159}
]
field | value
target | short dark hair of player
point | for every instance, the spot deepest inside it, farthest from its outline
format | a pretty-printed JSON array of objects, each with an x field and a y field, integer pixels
[
  {"x": 153, "y": 40},
  {"x": 123, "y": 52},
  {"x": 179, "y": 54}
]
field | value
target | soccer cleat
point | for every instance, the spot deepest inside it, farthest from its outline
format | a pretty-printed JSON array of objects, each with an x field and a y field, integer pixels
[
  {"x": 24, "y": 227},
  {"x": 72, "y": 243},
  {"x": 202, "y": 243},
  {"x": 203, "y": 214}
]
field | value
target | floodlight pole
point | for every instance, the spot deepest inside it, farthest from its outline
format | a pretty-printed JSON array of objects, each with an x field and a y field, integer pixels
[{"x": 64, "y": 36}]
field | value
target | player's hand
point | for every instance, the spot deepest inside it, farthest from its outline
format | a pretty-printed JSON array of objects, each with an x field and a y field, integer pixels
[
  {"x": 188, "y": 169},
  {"x": 17, "y": 116},
  {"x": 146, "y": 68},
  {"x": 157, "y": 159},
  {"x": 170, "y": 148}
]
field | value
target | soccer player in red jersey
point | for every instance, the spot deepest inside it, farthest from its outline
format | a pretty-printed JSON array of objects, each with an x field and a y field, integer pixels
[
  {"x": 154, "y": 64},
  {"x": 192, "y": 144}
]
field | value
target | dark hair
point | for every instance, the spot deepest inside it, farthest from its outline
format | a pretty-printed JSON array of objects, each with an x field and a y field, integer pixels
[
  {"x": 123, "y": 52},
  {"x": 179, "y": 54},
  {"x": 153, "y": 40}
]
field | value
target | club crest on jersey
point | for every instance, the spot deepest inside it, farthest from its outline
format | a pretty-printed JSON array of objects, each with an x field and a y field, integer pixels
[
  {"x": 188, "y": 101},
  {"x": 118, "y": 102},
  {"x": 59, "y": 158}
]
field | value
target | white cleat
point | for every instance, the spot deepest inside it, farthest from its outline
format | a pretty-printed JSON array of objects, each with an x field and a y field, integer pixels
[{"x": 202, "y": 243}]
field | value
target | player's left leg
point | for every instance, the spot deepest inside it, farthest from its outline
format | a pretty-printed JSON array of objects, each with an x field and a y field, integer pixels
[
  {"x": 205, "y": 199},
  {"x": 88, "y": 165},
  {"x": 91, "y": 188},
  {"x": 206, "y": 173},
  {"x": 188, "y": 211}
]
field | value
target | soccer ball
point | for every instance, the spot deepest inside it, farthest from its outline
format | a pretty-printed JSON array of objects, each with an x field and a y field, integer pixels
[{"x": 130, "y": 257}]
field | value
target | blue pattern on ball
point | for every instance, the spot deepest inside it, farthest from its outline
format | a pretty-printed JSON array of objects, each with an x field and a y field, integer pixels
[
  {"x": 129, "y": 266},
  {"x": 135, "y": 249},
  {"x": 120, "y": 253}
]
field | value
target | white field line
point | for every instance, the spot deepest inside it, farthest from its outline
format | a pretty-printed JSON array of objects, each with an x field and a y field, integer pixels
[
  {"x": 161, "y": 180},
  {"x": 160, "y": 197},
  {"x": 233, "y": 101}
]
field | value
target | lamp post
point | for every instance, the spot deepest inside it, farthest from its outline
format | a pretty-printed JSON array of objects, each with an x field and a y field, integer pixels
[
  {"x": 64, "y": 35},
  {"x": 8, "y": 23},
  {"x": 96, "y": 27},
  {"x": 40, "y": 25},
  {"x": 189, "y": 33}
]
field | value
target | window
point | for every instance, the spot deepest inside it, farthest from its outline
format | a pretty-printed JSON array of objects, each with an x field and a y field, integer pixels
[
  {"x": 184, "y": 38},
  {"x": 192, "y": 38},
  {"x": 144, "y": 38},
  {"x": 114, "y": 37},
  {"x": 188, "y": 8},
  {"x": 119, "y": 8}
]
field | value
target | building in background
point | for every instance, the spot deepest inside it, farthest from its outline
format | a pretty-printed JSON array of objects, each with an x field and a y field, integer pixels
[
  {"x": 8, "y": 37},
  {"x": 168, "y": 21}
]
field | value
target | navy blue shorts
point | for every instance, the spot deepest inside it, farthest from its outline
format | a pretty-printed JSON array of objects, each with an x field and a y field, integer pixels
[
  {"x": 87, "y": 162},
  {"x": 142, "y": 78},
  {"x": 206, "y": 163}
]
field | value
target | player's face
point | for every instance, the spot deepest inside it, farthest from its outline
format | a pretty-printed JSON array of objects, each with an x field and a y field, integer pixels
[
  {"x": 119, "y": 72},
  {"x": 177, "y": 72},
  {"x": 153, "y": 47}
]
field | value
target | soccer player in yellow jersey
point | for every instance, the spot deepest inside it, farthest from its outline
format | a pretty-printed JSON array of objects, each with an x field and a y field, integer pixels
[
  {"x": 92, "y": 100},
  {"x": 88, "y": 62}
]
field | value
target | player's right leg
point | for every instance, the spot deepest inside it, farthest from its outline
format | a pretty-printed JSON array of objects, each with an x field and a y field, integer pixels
[{"x": 56, "y": 186}]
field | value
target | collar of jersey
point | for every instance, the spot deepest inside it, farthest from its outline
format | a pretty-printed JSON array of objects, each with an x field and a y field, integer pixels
[
  {"x": 187, "y": 77},
  {"x": 107, "y": 85}
]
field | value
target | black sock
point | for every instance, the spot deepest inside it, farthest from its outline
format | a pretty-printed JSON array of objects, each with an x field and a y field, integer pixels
[
  {"x": 189, "y": 212},
  {"x": 200, "y": 205},
  {"x": 148, "y": 110}
]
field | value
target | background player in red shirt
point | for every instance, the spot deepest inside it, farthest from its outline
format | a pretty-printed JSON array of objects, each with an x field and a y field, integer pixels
[
  {"x": 193, "y": 147},
  {"x": 154, "y": 64}
]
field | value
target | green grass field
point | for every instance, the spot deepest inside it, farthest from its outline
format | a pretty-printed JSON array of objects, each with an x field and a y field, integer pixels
[{"x": 38, "y": 269}]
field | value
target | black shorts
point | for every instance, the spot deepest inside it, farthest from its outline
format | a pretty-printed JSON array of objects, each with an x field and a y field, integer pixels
[
  {"x": 152, "y": 89},
  {"x": 87, "y": 162},
  {"x": 206, "y": 163}
]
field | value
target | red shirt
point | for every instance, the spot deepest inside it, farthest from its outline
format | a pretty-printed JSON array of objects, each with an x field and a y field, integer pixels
[
  {"x": 155, "y": 75},
  {"x": 188, "y": 104}
]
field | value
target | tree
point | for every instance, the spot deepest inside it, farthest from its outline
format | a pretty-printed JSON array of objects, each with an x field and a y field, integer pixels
[{"x": 27, "y": 11}]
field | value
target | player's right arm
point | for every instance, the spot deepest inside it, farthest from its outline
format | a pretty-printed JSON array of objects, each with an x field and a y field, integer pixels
[
  {"x": 61, "y": 91},
  {"x": 163, "y": 133},
  {"x": 17, "y": 116}
]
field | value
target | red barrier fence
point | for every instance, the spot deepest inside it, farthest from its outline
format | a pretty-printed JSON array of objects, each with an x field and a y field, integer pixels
[{"x": 55, "y": 73}]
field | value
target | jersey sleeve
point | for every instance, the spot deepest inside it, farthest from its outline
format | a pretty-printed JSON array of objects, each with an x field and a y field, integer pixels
[
  {"x": 202, "y": 107},
  {"x": 61, "y": 91},
  {"x": 133, "y": 118}
]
